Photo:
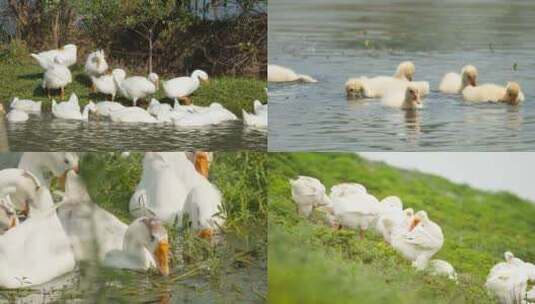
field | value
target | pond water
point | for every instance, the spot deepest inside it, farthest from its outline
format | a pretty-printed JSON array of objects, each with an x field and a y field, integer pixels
[
  {"x": 45, "y": 133},
  {"x": 232, "y": 276},
  {"x": 337, "y": 39}
]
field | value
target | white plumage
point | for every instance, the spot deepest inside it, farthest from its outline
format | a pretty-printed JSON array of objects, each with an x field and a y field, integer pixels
[
  {"x": 105, "y": 108},
  {"x": 183, "y": 87},
  {"x": 212, "y": 115},
  {"x": 277, "y": 73},
  {"x": 67, "y": 53},
  {"x": 442, "y": 268},
  {"x": 404, "y": 97},
  {"x": 453, "y": 83},
  {"x": 308, "y": 193},
  {"x": 26, "y": 105},
  {"x": 17, "y": 116},
  {"x": 131, "y": 115},
  {"x": 257, "y": 119},
  {"x": 65, "y": 111},
  {"x": 137, "y": 87},
  {"x": 507, "y": 281},
  {"x": 96, "y": 64},
  {"x": 354, "y": 209},
  {"x": 57, "y": 76},
  {"x": 510, "y": 94},
  {"x": 106, "y": 85}
]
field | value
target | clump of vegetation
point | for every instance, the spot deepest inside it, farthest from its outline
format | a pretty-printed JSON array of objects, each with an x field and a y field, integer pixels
[{"x": 338, "y": 268}]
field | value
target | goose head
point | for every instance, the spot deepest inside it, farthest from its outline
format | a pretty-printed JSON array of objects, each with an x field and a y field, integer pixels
[
  {"x": 150, "y": 233},
  {"x": 405, "y": 70},
  {"x": 355, "y": 88},
  {"x": 418, "y": 218},
  {"x": 201, "y": 75},
  {"x": 393, "y": 202},
  {"x": 412, "y": 98},
  {"x": 202, "y": 162},
  {"x": 469, "y": 76},
  {"x": 409, "y": 214},
  {"x": 59, "y": 163},
  {"x": 8, "y": 216},
  {"x": 512, "y": 93},
  {"x": 509, "y": 256},
  {"x": 153, "y": 77}
]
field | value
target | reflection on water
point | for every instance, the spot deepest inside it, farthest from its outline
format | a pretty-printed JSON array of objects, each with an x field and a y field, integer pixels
[
  {"x": 45, "y": 133},
  {"x": 334, "y": 40}
]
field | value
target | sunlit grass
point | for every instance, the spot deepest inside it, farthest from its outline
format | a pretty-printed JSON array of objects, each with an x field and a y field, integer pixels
[{"x": 338, "y": 268}]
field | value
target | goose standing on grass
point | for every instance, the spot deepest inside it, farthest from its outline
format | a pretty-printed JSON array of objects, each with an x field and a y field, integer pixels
[
  {"x": 137, "y": 87},
  {"x": 277, "y": 73},
  {"x": 376, "y": 87},
  {"x": 65, "y": 112},
  {"x": 453, "y": 83},
  {"x": 144, "y": 234},
  {"x": 182, "y": 87},
  {"x": 390, "y": 207},
  {"x": 507, "y": 281},
  {"x": 203, "y": 206},
  {"x": 96, "y": 64},
  {"x": 511, "y": 94},
  {"x": 355, "y": 210},
  {"x": 392, "y": 224},
  {"x": 57, "y": 76},
  {"x": 105, "y": 84},
  {"x": 441, "y": 268},
  {"x": 308, "y": 193},
  {"x": 67, "y": 52},
  {"x": 257, "y": 119},
  {"x": 8, "y": 215},
  {"x": 37, "y": 250},
  {"x": 405, "y": 98},
  {"x": 26, "y": 105}
]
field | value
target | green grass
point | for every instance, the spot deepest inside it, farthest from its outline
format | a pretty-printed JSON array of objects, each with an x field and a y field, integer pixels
[
  {"x": 21, "y": 76},
  {"x": 241, "y": 177},
  {"x": 310, "y": 263}
]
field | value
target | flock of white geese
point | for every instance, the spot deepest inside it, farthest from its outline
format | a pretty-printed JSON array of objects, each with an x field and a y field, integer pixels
[
  {"x": 414, "y": 235},
  {"x": 401, "y": 91},
  {"x": 57, "y": 76},
  {"x": 41, "y": 239}
]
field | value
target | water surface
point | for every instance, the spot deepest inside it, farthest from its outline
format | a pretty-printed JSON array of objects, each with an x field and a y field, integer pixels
[{"x": 335, "y": 40}]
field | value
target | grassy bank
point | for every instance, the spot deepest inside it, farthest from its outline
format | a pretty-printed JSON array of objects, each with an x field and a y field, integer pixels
[
  {"x": 22, "y": 77},
  {"x": 233, "y": 271},
  {"x": 310, "y": 263}
]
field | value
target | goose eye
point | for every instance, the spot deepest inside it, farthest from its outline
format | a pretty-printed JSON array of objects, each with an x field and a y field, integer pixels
[{"x": 152, "y": 238}]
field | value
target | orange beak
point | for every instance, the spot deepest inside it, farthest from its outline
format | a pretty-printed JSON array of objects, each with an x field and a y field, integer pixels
[
  {"x": 205, "y": 81},
  {"x": 13, "y": 222},
  {"x": 206, "y": 234},
  {"x": 76, "y": 169},
  {"x": 201, "y": 163},
  {"x": 26, "y": 209},
  {"x": 414, "y": 222},
  {"x": 162, "y": 257}
]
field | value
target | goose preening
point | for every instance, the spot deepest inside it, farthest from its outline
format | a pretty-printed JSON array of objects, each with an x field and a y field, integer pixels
[
  {"x": 165, "y": 183},
  {"x": 137, "y": 87},
  {"x": 441, "y": 268},
  {"x": 105, "y": 108},
  {"x": 45, "y": 165},
  {"x": 132, "y": 115},
  {"x": 355, "y": 210},
  {"x": 507, "y": 281},
  {"x": 96, "y": 64},
  {"x": 391, "y": 207},
  {"x": 37, "y": 250},
  {"x": 106, "y": 84},
  {"x": 277, "y": 73},
  {"x": 26, "y": 105},
  {"x": 511, "y": 94},
  {"x": 211, "y": 115},
  {"x": 64, "y": 111},
  {"x": 376, "y": 87},
  {"x": 182, "y": 87},
  {"x": 20, "y": 185},
  {"x": 405, "y": 98},
  {"x": 203, "y": 206},
  {"x": 67, "y": 53},
  {"x": 142, "y": 235},
  {"x": 257, "y": 119},
  {"x": 394, "y": 223},
  {"x": 308, "y": 193},
  {"x": 453, "y": 83},
  {"x": 8, "y": 215},
  {"x": 57, "y": 76},
  {"x": 423, "y": 239}
]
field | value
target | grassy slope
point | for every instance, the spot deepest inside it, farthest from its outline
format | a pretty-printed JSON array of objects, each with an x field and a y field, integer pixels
[
  {"x": 21, "y": 76},
  {"x": 310, "y": 263}
]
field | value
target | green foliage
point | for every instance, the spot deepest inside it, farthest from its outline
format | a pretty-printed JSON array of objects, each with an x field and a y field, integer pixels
[
  {"x": 14, "y": 52},
  {"x": 338, "y": 268}
]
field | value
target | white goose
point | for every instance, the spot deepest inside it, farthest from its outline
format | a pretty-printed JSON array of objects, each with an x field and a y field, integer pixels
[
  {"x": 355, "y": 210},
  {"x": 394, "y": 223},
  {"x": 105, "y": 108},
  {"x": 144, "y": 234},
  {"x": 67, "y": 52},
  {"x": 277, "y": 73},
  {"x": 156, "y": 107},
  {"x": 182, "y": 87},
  {"x": 421, "y": 242},
  {"x": 260, "y": 116},
  {"x": 105, "y": 83},
  {"x": 507, "y": 281},
  {"x": 376, "y": 87},
  {"x": 44, "y": 165},
  {"x": 308, "y": 193},
  {"x": 16, "y": 115},
  {"x": 137, "y": 87},
  {"x": 26, "y": 105},
  {"x": 20, "y": 185},
  {"x": 66, "y": 112},
  {"x": 8, "y": 215},
  {"x": 132, "y": 115},
  {"x": 201, "y": 160},
  {"x": 96, "y": 64},
  {"x": 203, "y": 206},
  {"x": 37, "y": 250},
  {"x": 404, "y": 97},
  {"x": 57, "y": 76},
  {"x": 511, "y": 94},
  {"x": 212, "y": 115},
  {"x": 390, "y": 207},
  {"x": 453, "y": 83},
  {"x": 441, "y": 268}
]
